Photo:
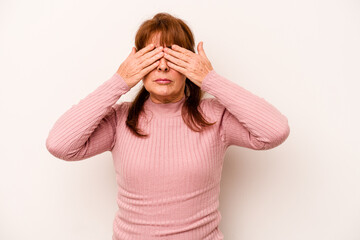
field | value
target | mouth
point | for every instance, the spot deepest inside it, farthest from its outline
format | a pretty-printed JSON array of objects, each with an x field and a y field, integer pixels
[{"x": 163, "y": 80}]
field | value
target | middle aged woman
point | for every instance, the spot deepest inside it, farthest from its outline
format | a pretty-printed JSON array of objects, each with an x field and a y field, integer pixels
[{"x": 169, "y": 143}]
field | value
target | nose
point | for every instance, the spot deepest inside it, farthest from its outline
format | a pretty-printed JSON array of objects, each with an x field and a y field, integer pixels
[{"x": 163, "y": 65}]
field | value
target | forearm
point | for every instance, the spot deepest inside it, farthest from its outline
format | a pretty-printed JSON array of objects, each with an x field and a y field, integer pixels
[
  {"x": 263, "y": 121},
  {"x": 72, "y": 130}
]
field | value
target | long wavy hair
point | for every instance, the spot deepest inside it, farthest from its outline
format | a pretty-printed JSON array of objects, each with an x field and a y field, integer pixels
[{"x": 173, "y": 31}]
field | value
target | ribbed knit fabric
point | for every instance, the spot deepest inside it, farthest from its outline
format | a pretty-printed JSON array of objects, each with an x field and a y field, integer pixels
[{"x": 168, "y": 183}]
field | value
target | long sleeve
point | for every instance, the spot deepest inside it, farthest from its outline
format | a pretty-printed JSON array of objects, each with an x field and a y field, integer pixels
[
  {"x": 246, "y": 120},
  {"x": 89, "y": 127}
]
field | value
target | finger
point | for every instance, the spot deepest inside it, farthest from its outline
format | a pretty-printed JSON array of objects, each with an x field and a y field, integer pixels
[
  {"x": 177, "y": 54},
  {"x": 152, "y": 59},
  {"x": 185, "y": 51},
  {"x": 201, "y": 49},
  {"x": 145, "y": 50},
  {"x": 177, "y": 61},
  {"x": 177, "y": 68},
  {"x": 149, "y": 68},
  {"x": 151, "y": 53},
  {"x": 132, "y": 52}
]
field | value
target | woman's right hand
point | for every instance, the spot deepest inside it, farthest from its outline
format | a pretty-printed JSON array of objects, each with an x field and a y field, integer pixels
[{"x": 139, "y": 63}]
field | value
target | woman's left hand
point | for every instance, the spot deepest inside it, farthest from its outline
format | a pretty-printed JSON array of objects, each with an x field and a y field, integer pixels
[{"x": 193, "y": 66}]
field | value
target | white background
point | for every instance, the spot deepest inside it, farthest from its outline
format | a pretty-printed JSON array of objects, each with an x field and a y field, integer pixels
[{"x": 301, "y": 56}]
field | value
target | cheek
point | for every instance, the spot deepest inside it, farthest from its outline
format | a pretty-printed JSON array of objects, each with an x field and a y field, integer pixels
[
  {"x": 149, "y": 75},
  {"x": 179, "y": 75},
  {"x": 146, "y": 80}
]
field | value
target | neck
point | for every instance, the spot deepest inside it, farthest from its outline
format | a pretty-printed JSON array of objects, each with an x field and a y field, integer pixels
[
  {"x": 166, "y": 99},
  {"x": 170, "y": 109}
]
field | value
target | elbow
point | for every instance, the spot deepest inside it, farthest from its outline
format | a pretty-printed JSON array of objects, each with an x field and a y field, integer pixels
[
  {"x": 51, "y": 147},
  {"x": 277, "y": 139},
  {"x": 55, "y": 150}
]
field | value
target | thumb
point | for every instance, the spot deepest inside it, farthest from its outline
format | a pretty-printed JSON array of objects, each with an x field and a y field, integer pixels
[
  {"x": 201, "y": 49},
  {"x": 133, "y": 51}
]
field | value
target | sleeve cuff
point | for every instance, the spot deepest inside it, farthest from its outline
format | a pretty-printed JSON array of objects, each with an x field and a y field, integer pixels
[
  {"x": 207, "y": 81},
  {"x": 121, "y": 81}
]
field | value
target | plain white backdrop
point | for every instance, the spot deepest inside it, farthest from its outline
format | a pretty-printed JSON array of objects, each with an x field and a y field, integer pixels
[{"x": 301, "y": 56}]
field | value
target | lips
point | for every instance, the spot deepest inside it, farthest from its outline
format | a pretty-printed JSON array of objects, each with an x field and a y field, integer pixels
[{"x": 163, "y": 80}]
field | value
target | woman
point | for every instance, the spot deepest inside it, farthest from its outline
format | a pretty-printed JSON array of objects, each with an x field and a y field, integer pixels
[{"x": 168, "y": 144}]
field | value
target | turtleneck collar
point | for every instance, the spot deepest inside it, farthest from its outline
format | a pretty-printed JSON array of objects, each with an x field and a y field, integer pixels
[{"x": 164, "y": 109}]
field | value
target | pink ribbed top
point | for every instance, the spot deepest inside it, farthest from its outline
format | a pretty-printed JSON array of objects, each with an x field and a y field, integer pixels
[{"x": 168, "y": 183}]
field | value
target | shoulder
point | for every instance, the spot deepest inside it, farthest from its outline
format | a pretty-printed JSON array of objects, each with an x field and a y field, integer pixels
[
  {"x": 121, "y": 109},
  {"x": 212, "y": 108},
  {"x": 211, "y": 104},
  {"x": 121, "y": 106}
]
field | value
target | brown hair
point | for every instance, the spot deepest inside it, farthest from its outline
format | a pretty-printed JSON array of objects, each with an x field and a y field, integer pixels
[{"x": 173, "y": 31}]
